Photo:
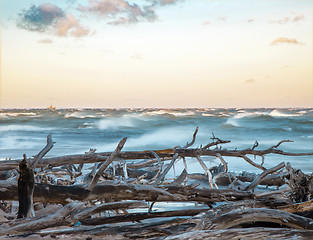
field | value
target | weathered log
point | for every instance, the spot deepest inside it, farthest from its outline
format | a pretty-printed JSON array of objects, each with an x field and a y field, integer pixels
[
  {"x": 123, "y": 191},
  {"x": 69, "y": 216},
  {"x": 93, "y": 158},
  {"x": 245, "y": 234},
  {"x": 203, "y": 220},
  {"x": 300, "y": 183},
  {"x": 87, "y": 212},
  {"x": 141, "y": 216},
  {"x": 104, "y": 230},
  {"x": 260, "y": 215},
  {"x": 163, "y": 154},
  {"x": 223, "y": 179},
  {"x": 304, "y": 209},
  {"x": 55, "y": 219},
  {"x": 257, "y": 180}
]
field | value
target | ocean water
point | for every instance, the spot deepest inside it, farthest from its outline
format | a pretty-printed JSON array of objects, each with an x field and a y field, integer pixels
[{"x": 75, "y": 131}]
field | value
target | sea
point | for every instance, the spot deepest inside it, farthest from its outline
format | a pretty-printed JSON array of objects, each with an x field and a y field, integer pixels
[{"x": 75, "y": 131}]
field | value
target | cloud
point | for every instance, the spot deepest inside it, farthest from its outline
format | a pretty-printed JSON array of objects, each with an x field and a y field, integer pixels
[
  {"x": 285, "y": 40},
  {"x": 251, "y": 80},
  {"x": 49, "y": 17},
  {"x": 38, "y": 19},
  {"x": 222, "y": 18},
  {"x": 166, "y": 2},
  {"x": 298, "y": 18},
  {"x": 137, "y": 56},
  {"x": 121, "y": 12},
  {"x": 293, "y": 17},
  {"x": 70, "y": 26},
  {"x": 45, "y": 40},
  {"x": 205, "y": 23},
  {"x": 250, "y": 20}
]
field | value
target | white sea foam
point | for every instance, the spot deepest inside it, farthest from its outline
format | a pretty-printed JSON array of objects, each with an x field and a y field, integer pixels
[
  {"x": 21, "y": 128},
  {"x": 243, "y": 114},
  {"x": 115, "y": 123},
  {"x": 176, "y": 113},
  {"x": 302, "y": 112},
  {"x": 3, "y": 115},
  {"x": 162, "y": 138},
  {"x": 81, "y": 115},
  {"x": 278, "y": 113},
  {"x": 14, "y": 142},
  {"x": 11, "y": 114},
  {"x": 208, "y": 115},
  {"x": 232, "y": 122}
]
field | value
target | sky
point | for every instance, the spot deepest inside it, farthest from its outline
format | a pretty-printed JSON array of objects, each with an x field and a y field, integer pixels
[{"x": 156, "y": 53}]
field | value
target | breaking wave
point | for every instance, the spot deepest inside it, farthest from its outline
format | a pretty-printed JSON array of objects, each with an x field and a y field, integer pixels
[
  {"x": 115, "y": 123},
  {"x": 5, "y": 128}
]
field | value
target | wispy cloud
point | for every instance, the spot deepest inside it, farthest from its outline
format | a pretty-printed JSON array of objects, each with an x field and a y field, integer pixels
[
  {"x": 45, "y": 40},
  {"x": 250, "y": 20},
  {"x": 205, "y": 23},
  {"x": 121, "y": 12},
  {"x": 285, "y": 40},
  {"x": 165, "y": 2},
  {"x": 222, "y": 18},
  {"x": 50, "y": 17},
  {"x": 251, "y": 80},
  {"x": 292, "y": 17},
  {"x": 136, "y": 56}
]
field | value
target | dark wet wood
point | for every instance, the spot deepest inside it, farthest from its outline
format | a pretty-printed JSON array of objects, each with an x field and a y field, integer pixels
[
  {"x": 245, "y": 234},
  {"x": 123, "y": 191}
]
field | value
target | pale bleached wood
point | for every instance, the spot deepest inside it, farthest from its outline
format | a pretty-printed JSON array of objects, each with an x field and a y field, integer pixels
[
  {"x": 105, "y": 164},
  {"x": 161, "y": 177},
  {"x": 87, "y": 212},
  {"x": 207, "y": 172},
  {"x": 142, "y": 216},
  {"x": 164, "y": 154},
  {"x": 193, "y": 139},
  {"x": 43, "y": 152},
  {"x": 257, "y": 180}
]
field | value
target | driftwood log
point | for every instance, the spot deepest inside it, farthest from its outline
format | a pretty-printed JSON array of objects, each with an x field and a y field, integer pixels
[
  {"x": 122, "y": 181},
  {"x": 26, "y": 183}
]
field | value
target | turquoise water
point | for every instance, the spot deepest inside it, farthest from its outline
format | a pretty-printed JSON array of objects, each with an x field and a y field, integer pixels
[{"x": 77, "y": 130}]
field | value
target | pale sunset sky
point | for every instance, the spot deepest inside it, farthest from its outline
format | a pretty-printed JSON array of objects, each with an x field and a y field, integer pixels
[{"x": 156, "y": 53}]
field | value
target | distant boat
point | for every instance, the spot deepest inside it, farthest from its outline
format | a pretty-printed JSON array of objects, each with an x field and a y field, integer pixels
[{"x": 51, "y": 107}]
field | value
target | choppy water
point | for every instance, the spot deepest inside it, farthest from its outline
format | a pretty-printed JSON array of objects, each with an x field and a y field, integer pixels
[{"x": 77, "y": 130}]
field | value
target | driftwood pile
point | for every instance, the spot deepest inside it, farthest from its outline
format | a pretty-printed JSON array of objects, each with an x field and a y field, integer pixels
[{"x": 50, "y": 197}]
